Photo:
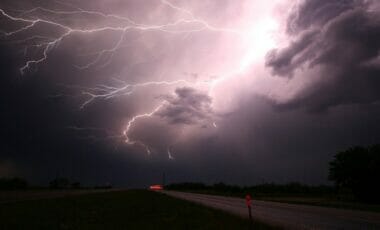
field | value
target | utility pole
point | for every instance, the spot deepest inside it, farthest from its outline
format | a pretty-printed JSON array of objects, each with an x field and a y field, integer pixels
[{"x": 163, "y": 179}]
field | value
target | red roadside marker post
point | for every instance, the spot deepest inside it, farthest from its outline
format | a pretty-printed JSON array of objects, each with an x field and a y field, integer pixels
[{"x": 248, "y": 201}]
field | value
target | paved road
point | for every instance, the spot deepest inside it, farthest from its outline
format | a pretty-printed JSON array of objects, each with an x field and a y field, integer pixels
[{"x": 289, "y": 216}]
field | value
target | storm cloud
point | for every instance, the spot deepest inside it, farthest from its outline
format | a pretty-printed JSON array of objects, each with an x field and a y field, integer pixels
[
  {"x": 242, "y": 92},
  {"x": 337, "y": 44},
  {"x": 188, "y": 106}
]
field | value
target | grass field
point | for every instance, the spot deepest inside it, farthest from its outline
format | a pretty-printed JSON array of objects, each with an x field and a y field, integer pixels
[
  {"x": 135, "y": 209},
  {"x": 324, "y": 202}
]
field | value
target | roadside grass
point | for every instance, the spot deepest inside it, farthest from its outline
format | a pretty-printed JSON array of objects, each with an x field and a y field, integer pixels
[
  {"x": 134, "y": 209},
  {"x": 330, "y": 201}
]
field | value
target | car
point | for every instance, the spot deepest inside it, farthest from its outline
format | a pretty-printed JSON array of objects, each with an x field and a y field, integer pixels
[{"x": 156, "y": 187}]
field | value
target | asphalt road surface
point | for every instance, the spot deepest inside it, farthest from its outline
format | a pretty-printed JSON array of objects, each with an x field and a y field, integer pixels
[{"x": 289, "y": 216}]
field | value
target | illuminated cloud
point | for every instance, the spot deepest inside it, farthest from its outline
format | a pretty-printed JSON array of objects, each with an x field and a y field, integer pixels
[{"x": 187, "y": 106}]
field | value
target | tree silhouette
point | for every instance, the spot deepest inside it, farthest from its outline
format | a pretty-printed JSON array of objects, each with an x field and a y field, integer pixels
[
  {"x": 13, "y": 183},
  {"x": 357, "y": 169},
  {"x": 59, "y": 183}
]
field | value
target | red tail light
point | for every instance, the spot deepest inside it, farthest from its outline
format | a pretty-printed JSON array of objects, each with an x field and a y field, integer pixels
[{"x": 156, "y": 187}]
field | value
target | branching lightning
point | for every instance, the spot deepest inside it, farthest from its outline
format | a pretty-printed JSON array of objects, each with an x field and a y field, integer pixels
[
  {"x": 108, "y": 92},
  {"x": 127, "y": 25},
  {"x": 46, "y": 44},
  {"x": 133, "y": 120}
]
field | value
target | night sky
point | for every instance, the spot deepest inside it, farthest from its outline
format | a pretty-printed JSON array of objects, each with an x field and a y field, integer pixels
[{"x": 243, "y": 92}]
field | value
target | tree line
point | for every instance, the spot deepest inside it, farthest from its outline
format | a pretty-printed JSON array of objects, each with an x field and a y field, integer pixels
[
  {"x": 354, "y": 172},
  {"x": 17, "y": 183}
]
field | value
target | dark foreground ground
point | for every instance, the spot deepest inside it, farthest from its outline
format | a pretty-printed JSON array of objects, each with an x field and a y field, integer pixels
[{"x": 135, "y": 209}]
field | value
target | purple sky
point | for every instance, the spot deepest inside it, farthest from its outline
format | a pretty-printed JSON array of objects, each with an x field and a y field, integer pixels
[{"x": 237, "y": 91}]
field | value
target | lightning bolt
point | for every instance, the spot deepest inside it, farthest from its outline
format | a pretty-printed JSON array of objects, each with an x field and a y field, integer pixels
[
  {"x": 131, "y": 25},
  {"x": 128, "y": 140},
  {"x": 125, "y": 24},
  {"x": 170, "y": 156},
  {"x": 108, "y": 92}
]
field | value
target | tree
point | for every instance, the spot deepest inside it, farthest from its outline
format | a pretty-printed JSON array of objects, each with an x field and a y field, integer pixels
[
  {"x": 13, "y": 183},
  {"x": 59, "y": 183},
  {"x": 357, "y": 169}
]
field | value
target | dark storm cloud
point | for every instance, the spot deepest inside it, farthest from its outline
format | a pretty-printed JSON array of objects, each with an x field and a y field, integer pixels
[
  {"x": 286, "y": 60},
  {"x": 187, "y": 106},
  {"x": 45, "y": 133},
  {"x": 318, "y": 12},
  {"x": 339, "y": 39}
]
